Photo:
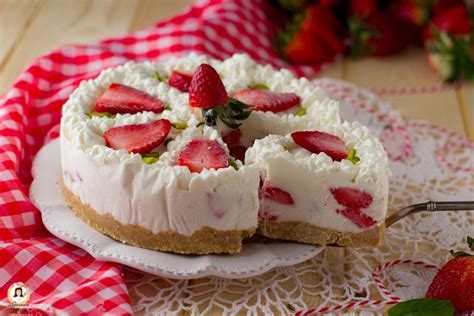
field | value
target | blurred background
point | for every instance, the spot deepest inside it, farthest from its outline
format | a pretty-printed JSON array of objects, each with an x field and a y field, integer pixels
[{"x": 404, "y": 51}]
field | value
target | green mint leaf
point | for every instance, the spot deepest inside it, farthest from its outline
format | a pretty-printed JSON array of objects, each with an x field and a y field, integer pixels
[
  {"x": 259, "y": 86},
  {"x": 232, "y": 163},
  {"x": 101, "y": 114},
  {"x": 352, "y": 156},
  {"x": 422, "y": 307},
  {"x": 167, "y": 107},
  {"x": 470, "y": 242},
  {"x": 179, "y": 125}
]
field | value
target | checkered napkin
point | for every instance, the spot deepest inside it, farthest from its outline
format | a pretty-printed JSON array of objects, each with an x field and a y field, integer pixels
[{"x": 63, "y": 278}]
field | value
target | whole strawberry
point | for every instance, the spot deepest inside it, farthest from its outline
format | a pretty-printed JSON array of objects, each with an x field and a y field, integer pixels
[
  {"x": 206, "y": 89},
  {"x": 455, "y": 21},
  {"x": 362, "y": 7},
  {"x": 449, "y": 40},
  {"x": 380, "y": 34},
  {"x": 455, "y": 281},
  {"x": 315, "y": 37}
]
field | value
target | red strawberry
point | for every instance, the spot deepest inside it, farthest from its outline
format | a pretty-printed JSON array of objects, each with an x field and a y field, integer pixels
[
  {"x": 307, "y": 49},
  {"x": 441, "y": 6},
  {"x": 123, "y": 99},
  {"x": 454, "y": 21},
  {"x": 277, "y": 195},
  {"x": 317, "y": 16},
  {"x": 329, "y": 3},
  {"x": 232, "y": 138},
  {"x": 414, "y": 12},
  {"x": 267, "y": 101},
  {"x": 315, "y": 39},
  {"x": 357, "y": 217},
  {"x": 455, "y": 281},
  {"x": 393, "y": 34},
  {"x": 180, "y": 81},
  {"x": 381, "y": 34},
  {"x": 362, "y": 8},
  {"x": 238, "y": 152},
  {"x": 267, "y": 216},
  {"x": 206, "y": 89},
  {"x": 138, "y": 138},
  {"x": 317, "y": 142},
  {"x": 352, "y": 198},
  {"x": 202, "y": 154}
]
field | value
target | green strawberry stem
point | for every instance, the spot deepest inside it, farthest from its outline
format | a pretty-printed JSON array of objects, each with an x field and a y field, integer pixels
[
  {"x": 470, "y": 242},
  {"x": 229, "y": 114},
  {"x": 455, "y": 53},
  {"x": 360, "y": 35}
]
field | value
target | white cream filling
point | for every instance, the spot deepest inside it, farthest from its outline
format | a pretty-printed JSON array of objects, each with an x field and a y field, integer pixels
[{"x": 308, "y": 177}]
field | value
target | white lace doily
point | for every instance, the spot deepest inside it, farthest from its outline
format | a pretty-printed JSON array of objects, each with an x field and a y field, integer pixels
[{"x": 427, "y": 163}]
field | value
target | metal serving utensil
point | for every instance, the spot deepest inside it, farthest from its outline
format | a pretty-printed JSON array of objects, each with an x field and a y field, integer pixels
[{"x": 430, "y": 207}]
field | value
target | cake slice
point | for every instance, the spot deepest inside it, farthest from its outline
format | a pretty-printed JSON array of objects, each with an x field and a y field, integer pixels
[{"x": 326, "y": 186}]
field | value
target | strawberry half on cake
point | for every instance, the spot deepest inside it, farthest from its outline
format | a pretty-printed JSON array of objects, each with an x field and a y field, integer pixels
[{"x": 327, "y": 186}]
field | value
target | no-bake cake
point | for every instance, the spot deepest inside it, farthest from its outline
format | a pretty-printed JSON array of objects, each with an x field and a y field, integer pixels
[{"x": 195, "y": 154}]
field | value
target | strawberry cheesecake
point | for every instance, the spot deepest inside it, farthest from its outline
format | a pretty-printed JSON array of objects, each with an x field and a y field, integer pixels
[
  {"x": 326, "y": 186},
  {"x": 194, "y": 155}
]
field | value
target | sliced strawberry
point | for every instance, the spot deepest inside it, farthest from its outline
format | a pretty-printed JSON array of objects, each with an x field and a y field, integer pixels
[
  {"x": 277, "y": 195},
  {"x": 206, "y": 89},
  {"x": 180, "y": 81},
  {"x": 317, "y": 142},
  {"x": 232, "y": 138},
  {"x": 202, "y": 154},
  {"x": 352, "y": 198},
  {"x": 264, "y": 100},
  {"x": 123, "y": 99},
  {"x": 138, "y": 138},
  {"x": 267, "y": 216},
  {"x": 238, "y": 152},
  {"x": 357, "y": 217}
]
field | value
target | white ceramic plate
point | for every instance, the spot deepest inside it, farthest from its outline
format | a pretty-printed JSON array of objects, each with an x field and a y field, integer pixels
[{"x": 255, "y": 259}]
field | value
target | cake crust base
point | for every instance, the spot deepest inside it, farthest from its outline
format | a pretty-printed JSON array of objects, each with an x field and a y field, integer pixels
[
  {"x": 307, "y": 233},
  {"x": 204, "y": 241}
]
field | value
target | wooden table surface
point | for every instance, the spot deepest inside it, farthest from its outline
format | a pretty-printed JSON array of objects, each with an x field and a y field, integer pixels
[{"x": 30, "y": 28}]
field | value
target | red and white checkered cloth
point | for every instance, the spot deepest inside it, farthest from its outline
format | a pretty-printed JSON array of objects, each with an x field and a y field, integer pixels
[{"x": 62, "y": 277}]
